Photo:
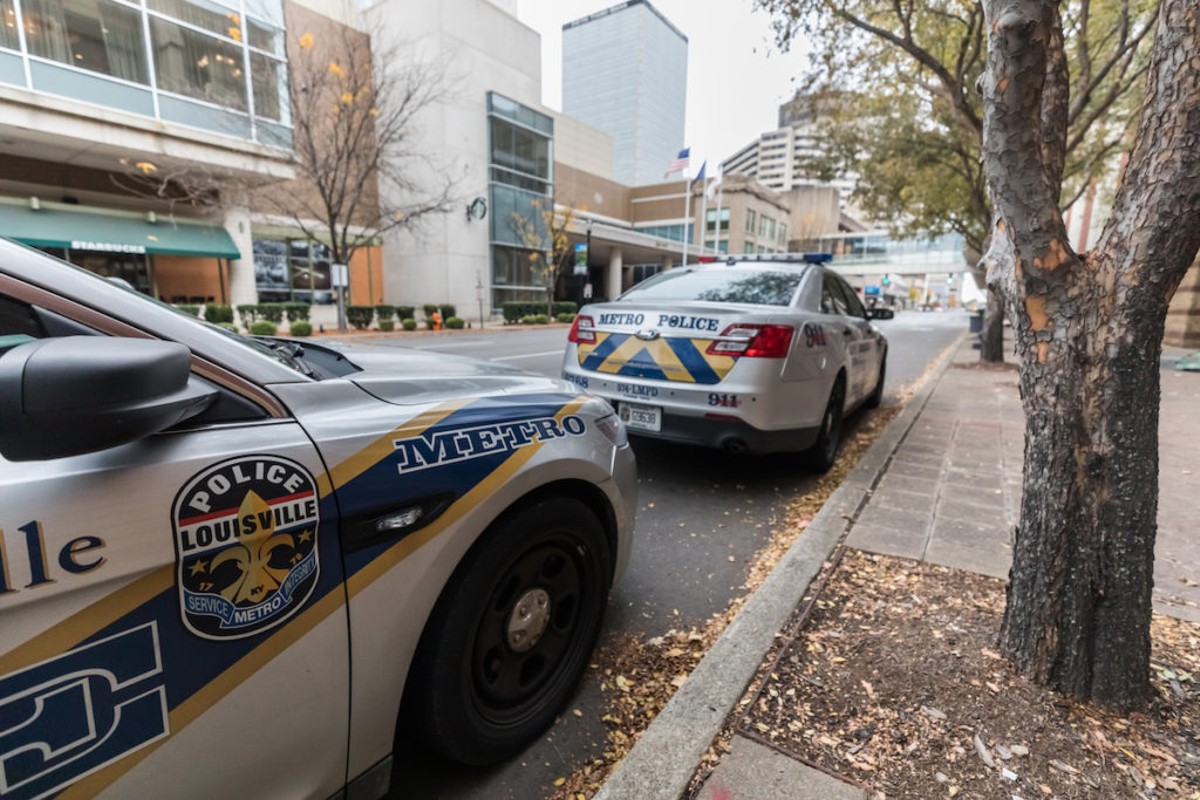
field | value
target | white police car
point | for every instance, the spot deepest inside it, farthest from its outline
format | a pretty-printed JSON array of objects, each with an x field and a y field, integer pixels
[
  {"x": 237, "y": 569},
  {"x": 752, "y": 354}
]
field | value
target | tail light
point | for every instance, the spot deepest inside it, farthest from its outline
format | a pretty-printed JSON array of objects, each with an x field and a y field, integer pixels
[
  {"x": 582, "y": 330},
  {"x": 753, "y": 341}
]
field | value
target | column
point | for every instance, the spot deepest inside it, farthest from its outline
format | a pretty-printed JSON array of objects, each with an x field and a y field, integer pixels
[
  {"x": 614, "y": 273},
  {"x": 242, "y": 287}
]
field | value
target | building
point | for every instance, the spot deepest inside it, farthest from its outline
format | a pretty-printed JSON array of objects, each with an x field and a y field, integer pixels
[
  {"x": 102, "y": 99},
  {"x": 624, "y": 73}
]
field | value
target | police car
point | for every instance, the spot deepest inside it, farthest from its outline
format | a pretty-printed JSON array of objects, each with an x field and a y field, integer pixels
[
  {"x": 239, "y": 569},
  {"x": 752, "y": 354}
]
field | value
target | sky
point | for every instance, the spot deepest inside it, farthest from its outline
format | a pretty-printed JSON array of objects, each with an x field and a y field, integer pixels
[{"x": 736, "y": 75}]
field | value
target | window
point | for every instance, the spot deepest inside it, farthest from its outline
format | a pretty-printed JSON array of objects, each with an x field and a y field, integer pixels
[
  {"x": 750, "y": 221},
  {"x": 8, "y": 25},
  {"x": 194, "y": 64},
  {"x": 292, "y": 271},
  {"x": 853, "y": 303},
  {"x": 268, "y": 78},
  {"x": 762, "y": 226},
  {"x": 833, "y": 301},
  {"x": 722, "y": 285},
  {"x": 783, "y": 234},
  {"x": 96, "y": 35},
  {"x": 770, "y": 229},
  {"x": 711, "y": 220}
]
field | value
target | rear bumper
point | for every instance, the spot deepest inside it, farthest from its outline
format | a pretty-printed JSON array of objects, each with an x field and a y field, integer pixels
[{"x": 730, "y": 434}]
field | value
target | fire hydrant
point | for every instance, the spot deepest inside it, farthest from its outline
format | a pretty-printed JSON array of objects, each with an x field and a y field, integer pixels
[{"x": 437, "y": 320}]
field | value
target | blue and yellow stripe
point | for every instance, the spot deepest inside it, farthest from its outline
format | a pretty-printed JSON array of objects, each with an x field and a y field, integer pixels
[{"x": 664, "y": 359}]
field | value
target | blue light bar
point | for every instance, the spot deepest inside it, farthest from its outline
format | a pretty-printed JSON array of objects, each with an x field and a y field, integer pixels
[{"x": 818, "y": 258}]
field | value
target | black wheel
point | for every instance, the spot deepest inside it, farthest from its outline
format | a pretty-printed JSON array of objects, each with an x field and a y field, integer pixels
[
  {"x": 876, "y": 396},
  {"x": 511, "y": 635},
  {"x": 824, "y": 451}
]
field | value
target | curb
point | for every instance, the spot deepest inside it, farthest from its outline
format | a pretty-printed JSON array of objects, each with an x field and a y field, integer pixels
[{"x": 662, "y": 762}]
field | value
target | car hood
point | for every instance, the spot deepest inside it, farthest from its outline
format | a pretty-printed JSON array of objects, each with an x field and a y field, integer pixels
[{"x": 405, "y": 376}]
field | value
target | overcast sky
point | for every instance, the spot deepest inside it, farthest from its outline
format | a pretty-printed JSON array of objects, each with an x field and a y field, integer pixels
[{"x": 736, "y": 76}]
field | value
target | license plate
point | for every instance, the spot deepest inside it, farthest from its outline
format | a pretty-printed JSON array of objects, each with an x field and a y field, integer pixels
[{"x": 641, "y": 418}]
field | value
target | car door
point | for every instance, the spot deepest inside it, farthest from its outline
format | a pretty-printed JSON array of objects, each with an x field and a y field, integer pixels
[
  {"x": 845, "y": 338},
  {"x": 172, "y": 608},
  {"x": 862, "y": 347}
]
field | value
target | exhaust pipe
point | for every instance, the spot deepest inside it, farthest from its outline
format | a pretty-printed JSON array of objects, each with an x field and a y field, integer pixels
[{"x": 735, "y": 445}]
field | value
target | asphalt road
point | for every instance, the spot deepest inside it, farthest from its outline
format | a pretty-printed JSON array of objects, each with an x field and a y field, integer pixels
[{"x": 702, "y": 515}]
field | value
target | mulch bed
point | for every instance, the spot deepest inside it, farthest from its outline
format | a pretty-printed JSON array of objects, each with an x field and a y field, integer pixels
[{"x": 892, "y": 682}]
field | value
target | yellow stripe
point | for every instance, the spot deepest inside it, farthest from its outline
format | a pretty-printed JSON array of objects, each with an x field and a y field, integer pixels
[
  {"x": 86, "y": 622},
  {"x": 218, "y": 688},
  {"x": 660, "y": 350},
  {"x": 585, "y": 349},
  {"x": 382, "y": 447},
  {"x": 625, "y": 351}
]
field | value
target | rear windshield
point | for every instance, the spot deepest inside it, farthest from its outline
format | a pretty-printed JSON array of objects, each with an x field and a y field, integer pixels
[{"x": 720, "y": 285}]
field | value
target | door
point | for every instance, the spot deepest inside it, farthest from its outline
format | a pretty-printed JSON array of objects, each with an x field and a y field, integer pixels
[
  {"x": 173, "y": 608},
  {"x": 861, "y": 347}
]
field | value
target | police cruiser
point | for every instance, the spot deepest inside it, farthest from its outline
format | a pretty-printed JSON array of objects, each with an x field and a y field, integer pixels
[
  {"x": 752, "y": 354},
  {"x": 240, "y": 568}
]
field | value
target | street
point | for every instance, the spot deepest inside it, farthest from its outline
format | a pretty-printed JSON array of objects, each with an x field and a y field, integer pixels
[{"x": 702, "y": 515}]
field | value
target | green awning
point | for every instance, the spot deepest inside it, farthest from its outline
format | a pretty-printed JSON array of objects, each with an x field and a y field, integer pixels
[{"x": 84, "y": 230}]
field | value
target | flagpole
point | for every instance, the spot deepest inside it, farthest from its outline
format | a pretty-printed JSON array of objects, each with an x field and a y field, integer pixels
[
  {"x": 687, "y": 215},
  {"x": 717, "y": 237},
  {"x": 703, "y": 215}
]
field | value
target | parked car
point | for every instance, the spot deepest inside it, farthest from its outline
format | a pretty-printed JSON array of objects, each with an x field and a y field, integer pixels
[
  {"x": 238, "y": 568},
  {"x": 751, "y": 354}
]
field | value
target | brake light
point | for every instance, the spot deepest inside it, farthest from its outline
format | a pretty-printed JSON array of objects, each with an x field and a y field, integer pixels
[
  {"x": 754, "y": 341},
  {"x": 582, "y": 330}
]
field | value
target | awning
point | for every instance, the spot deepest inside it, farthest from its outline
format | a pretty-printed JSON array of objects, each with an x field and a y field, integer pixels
[{"x": 84, "y": 230}]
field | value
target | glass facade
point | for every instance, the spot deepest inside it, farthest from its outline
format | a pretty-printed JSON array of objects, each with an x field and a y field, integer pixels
[
  {"x": 214, "y": 64},
  {"x": 292, "y": 271},
  {"x": 521, "y": 185}
]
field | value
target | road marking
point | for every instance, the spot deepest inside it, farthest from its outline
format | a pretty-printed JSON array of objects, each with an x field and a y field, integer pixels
[{"x": 528, "y": 355}]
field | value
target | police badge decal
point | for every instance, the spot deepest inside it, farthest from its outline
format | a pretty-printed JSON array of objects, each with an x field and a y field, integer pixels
[{"x": 245, "y": 545}]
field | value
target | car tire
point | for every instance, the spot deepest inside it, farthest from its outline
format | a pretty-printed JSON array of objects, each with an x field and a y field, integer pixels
[
  {"x": 876, "y": 396},
  {"x": 512, "y": 634},
  {"x": 822, "y": 455}
]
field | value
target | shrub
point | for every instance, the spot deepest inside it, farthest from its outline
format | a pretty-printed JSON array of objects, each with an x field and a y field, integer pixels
[
  {"x": 409, "y": 324},
  {"x": 565, "y": 307},
  {"x": 385, "y": 312},
  {"x": 567, "y": 318},
  {"x": 360, "y": 316},
  {"x": 229, "y": 326},
  {"x": 300, "y": 327},
  {"x": 190, "y": 310},
  {"x": 429, "y": 308},
  {"x": 540, "y": 319},
  {"x": 297, "y": 311},
  {"x": 387, "y": 325},
  {"x": 247, "y": 314},
  {"x": 217, "y": 313},
  {"x": 271, "y": 312},
  {"x": 263, "y": 327},
  {"x": 455, "y": 323},
  {"x": 406, "y": 312},
  {"x": 447, "y": 312}
]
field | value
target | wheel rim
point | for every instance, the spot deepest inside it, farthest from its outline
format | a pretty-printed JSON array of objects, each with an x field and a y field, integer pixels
[{"x": 536, "y": 619}]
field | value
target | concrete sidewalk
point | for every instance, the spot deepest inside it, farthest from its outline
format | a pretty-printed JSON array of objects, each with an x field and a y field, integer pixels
[{"x": 942, "y": 484}]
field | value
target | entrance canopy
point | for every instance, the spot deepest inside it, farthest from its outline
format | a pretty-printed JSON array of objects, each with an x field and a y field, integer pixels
[{"x": 85, "y": 230}]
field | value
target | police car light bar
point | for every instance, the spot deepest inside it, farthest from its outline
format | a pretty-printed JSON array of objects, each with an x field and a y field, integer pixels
[{"x": 786, "y": 258}]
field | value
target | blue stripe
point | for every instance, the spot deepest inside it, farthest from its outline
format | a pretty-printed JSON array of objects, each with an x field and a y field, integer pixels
[
  {"x": 643, "y": 365},
  {"x": 603, "y": 350},
  {"x": 693, "y": 360}
]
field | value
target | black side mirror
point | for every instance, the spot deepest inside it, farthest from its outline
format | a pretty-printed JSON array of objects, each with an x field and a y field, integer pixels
[
  {"x": 880, "y": 313},
  {"x": 80, "y": 394}
]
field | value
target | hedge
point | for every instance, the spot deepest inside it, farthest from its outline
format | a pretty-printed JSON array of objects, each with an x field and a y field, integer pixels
[
  {"x": 406, "y": 312},
  {"x": 409, "y": 324},
  {"x": 216, "y": 313},
  {"x": 193, "y": 311},
  {"x": 385, "y": 312},
  {"x": 248, "y": 314},
  {"x": 567, "y": 318},
  {"x": 516, "y": 310},
  {"x": 300, "y": 327},
  {"x": 297, "y": 312},
  {"x": 535, "y": 319},
  {"x": 455, "y": 323},
  {"x": 263, "y": 327},
  {"x": 360, "y": 316},
  {"x": 387, "y": 325},
  {"x": 271, "y": 312}
]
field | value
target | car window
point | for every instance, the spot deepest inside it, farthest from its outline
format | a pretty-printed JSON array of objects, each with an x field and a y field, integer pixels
[
  {"x": 832, "y": 299},
  {"x": 721, "y": 285},
  {"x": 855, "y": 305}
]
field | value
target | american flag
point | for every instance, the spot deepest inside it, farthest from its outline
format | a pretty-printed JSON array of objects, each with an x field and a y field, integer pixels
[{"x": 679, "y": 163}]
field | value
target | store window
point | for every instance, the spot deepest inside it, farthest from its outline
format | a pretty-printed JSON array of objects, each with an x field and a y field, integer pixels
[
  {"x": 95, "y": 35},
  {"x": 292, "y": 271}
]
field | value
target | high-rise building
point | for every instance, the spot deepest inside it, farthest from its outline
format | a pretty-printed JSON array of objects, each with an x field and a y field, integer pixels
[{"x": 625, "y": 73}]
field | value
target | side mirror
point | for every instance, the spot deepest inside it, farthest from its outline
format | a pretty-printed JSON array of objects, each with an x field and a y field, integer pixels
[
  {"x": 72, "y": 395},
  {"x": 880, "y": 313}
]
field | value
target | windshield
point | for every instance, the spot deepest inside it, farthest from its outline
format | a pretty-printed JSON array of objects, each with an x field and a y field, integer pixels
[{"x": 720, "y": 285}]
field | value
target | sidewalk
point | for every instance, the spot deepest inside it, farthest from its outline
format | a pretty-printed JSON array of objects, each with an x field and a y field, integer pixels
[{"x": 941, "y": 485}]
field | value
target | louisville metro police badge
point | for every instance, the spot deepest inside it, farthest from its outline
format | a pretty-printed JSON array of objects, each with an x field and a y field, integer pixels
[{"x": 246, "y": 545}]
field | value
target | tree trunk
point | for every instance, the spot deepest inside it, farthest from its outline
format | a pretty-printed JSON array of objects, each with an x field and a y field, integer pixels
[
  {"x": 1079, "y": 598},
  {"x": 991, "y": 350}
]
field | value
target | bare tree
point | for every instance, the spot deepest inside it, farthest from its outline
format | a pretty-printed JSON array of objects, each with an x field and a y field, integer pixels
[
  {"x": 545, "y": 233},
  {"x": 1089, "y": 333}
]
